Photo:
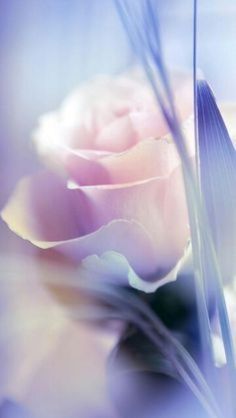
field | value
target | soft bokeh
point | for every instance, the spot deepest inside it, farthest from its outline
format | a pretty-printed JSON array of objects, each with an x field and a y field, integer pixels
[
  {"x": 50, "y": 365},
  {"x": 47, "y": 48}
]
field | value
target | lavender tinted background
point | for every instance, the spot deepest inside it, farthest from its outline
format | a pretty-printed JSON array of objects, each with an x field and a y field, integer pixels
[{"x": 48, "y": 46}]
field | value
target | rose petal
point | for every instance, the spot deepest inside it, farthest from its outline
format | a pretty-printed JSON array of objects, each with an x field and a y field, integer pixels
[
  {"x": 117, "y": 136},
  {"x": 148, "y": 159},
  {"x": 151, "y": 235},
  {"x": 112, "y": 267},
  {"x": 110, "y": 113},
  {"x": 175, "y": 215},
  {"x": 163, "y": 215},
  {"x": 128, "y": 238},
  {"x": 149, "y": 123},
  {"x": 41, "y": 209}
]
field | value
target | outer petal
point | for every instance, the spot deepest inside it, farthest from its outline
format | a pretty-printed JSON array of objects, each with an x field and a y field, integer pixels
[
  {"x": 93, "y": 220},
  {"x": 163, "y": 215},
  {"x": 41, "y": 209},
  {"x": 175, "y": 216},
  {"x": 44, "y": 212},
  {"x": 128, "y": 238},
  {"x": 114, "y": 267},
  {"x": 148, "y": 159}
]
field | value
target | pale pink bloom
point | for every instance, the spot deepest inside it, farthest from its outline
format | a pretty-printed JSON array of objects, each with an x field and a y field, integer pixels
[{"x": 116, "y": 197}]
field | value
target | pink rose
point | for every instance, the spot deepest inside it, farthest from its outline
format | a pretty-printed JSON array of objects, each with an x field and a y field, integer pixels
[{"x": 115, "y": 201}]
